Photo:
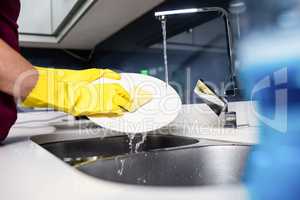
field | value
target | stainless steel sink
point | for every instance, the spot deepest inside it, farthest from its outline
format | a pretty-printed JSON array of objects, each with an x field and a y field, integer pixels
[
  {"x": 114, "y": 146},
  {"x": 163, "y": 160},
  {"x": 208, "y": 165}
]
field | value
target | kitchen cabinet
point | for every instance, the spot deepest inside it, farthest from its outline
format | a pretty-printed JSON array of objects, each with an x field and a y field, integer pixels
[
  {"x": 61, "y": 9},
  {"x": 44, "y": 17},
  {"x": 60, "y": 23},
  {"x": 35, "y": 17}
]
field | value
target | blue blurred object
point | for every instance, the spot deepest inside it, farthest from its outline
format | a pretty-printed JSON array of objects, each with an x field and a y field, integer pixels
[{"x": 270, "y": 74}]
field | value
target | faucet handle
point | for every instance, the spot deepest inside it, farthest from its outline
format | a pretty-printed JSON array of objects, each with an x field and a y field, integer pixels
[
  {"x": 208, "y": 95},
  {"x": 217, "y": 103}
]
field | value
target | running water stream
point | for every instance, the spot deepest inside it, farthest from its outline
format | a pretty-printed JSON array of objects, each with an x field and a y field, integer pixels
[
  {"x": 134, "y": 148},
  {"x": 121, "y": 170},
  {"x": 138, "y": 145},
  {"x": 164, "y": 33},
  {"x": 131, "y": 138}
]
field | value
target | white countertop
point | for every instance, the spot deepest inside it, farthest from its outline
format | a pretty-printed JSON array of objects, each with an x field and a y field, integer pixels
[{"x": 27, "y": 171}]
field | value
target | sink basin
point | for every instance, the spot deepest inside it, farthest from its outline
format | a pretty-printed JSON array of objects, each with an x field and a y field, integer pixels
[
  {"x": 162, "y": 160},
  {"x": 195, "y": 166},
  {"x": 113, "y": 146}
]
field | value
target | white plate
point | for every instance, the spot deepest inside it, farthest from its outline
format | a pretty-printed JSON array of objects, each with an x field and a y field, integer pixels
[{"x": 159, "y": 112}]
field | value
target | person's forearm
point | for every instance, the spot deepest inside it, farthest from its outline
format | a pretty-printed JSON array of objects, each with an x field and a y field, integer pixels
[{"x": 17, "y": 75}]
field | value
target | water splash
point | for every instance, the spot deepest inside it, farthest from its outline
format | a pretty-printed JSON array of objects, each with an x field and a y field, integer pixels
[
  {"x": 121, "y": 170},
  {"x": 138, "y": 145},
  {"x": 131, "y": 138}
]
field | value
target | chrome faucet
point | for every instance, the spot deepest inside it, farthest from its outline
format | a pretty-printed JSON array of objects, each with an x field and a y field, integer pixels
[
  {"x": 163, "y": 16},
  {"x": 218, "y": 104}
]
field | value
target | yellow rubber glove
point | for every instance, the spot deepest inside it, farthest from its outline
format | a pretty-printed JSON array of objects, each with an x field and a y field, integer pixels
[{"x": 72, "y": 91}]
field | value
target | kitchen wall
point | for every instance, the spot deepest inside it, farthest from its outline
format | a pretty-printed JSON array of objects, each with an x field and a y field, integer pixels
[
  {"x": 197, "y": 48},
  {"x": 56, "y": 58},
  {"x": 196, "y": 53}
]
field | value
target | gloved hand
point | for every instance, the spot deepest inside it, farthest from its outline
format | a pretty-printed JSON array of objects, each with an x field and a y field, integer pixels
[{"x": 72, "y": 91}]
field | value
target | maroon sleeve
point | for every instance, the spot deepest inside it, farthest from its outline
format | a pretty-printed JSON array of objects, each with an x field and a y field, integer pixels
[{"x": 9, "y": 13}]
